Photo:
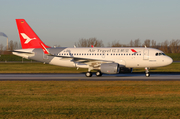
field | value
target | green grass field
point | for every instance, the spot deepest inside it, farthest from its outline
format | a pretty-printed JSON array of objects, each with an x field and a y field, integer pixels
[
  {"x": 90, "y": 99},
  {"x": 87, "y": 99},
  {"x": 46, "y": 68}
]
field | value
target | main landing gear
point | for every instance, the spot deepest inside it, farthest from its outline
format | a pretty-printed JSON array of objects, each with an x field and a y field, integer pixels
[
  {"x": 89, "y": 74},
  {"x": 147, "y": 71},
  {"x": 98, "y": 73}
]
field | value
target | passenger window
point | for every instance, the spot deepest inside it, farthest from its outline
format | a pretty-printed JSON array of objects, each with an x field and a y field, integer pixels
[{"x": 156, "y": 54}]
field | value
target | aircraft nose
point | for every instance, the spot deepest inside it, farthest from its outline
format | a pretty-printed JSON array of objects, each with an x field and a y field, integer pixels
[{"x": 169, "y": 60}]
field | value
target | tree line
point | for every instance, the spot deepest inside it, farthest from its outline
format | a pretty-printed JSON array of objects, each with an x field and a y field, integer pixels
[
  {"x": 172, "y": 46},
  {"x": 11, "y": 46}
]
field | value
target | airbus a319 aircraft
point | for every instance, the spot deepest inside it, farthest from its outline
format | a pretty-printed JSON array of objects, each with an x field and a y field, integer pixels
[{"x": 102, "y": 60}]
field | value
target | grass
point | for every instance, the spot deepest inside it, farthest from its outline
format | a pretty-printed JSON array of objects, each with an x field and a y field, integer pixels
[
  {"x": 36, "y": 68},
  {"x": 174, "y": 56},
  {"x": 90, "y": 99},
  {"x": 46, "y": 68}
]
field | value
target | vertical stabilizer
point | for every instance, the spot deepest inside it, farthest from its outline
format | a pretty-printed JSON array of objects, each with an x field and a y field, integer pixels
[{"x": 28, "y": 37}]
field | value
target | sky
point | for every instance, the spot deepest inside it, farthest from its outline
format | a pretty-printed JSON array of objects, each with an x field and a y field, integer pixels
[{"x": 64, "y": 22}]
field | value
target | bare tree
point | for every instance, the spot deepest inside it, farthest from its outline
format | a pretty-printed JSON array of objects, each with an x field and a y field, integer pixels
[
  {"x": 153, "y": 44},
  {"x": 137, "y": 43},
  {"x": 13, "y": 45},
  {"x": 116, "y": 44},
  {"x": 1, "y": 48},
  {"x": 165, "y": 46},
  {"x": 88, "y": 42},
  {"x": 174, "y": 46},
  {"x": 131, "y": 44},
  {"x": 147, "y": 43}
]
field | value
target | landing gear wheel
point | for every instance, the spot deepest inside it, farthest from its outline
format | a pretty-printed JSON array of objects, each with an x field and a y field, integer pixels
[
  {"x": 98, "y": 73},
  {"x": 147, "y": 75},
  {"x": 147, "y": 71},
  {"x": 88, "y": 74}
]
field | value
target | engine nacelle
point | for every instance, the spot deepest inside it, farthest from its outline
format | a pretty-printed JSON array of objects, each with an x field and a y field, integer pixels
[{"x": 110, "y": 68}]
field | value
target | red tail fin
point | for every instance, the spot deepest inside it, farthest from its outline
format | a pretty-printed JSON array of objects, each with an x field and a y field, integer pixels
[{"x": 28, "y": 37}]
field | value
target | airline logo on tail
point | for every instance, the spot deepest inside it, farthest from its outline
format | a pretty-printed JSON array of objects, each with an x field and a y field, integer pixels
[{"x": 27, "y": 38}]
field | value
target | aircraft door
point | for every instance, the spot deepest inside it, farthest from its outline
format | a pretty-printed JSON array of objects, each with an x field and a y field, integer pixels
[{"x": 146, "y": 54}]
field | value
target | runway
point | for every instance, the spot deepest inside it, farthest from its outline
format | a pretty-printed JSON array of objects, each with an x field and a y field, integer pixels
[{"x": 81, "y": 77}]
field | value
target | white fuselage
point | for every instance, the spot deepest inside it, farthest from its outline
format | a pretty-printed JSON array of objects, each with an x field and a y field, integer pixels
[{"x": 85, "y": 57}]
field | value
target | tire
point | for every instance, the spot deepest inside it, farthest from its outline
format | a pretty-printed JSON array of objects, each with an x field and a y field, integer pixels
[
  {"x": 147, "y": 75},
  {"x": 98, "y": 73},
  {"x": 88, "y": 74}
]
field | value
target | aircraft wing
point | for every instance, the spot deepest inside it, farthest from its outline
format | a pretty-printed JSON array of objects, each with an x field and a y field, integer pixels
[{"x": 80, "y": 60}]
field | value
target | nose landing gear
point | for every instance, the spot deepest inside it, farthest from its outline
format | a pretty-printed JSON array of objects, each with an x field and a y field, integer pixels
[{"x": 147, "y": 71}]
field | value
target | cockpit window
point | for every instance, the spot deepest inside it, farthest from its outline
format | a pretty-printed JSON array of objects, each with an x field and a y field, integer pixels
[
  {"x": 163, "y": 54},
  {"x": 159, "y": 54}
]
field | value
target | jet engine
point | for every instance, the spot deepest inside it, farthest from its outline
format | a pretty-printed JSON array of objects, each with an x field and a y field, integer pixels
[{"x": 110, "y": 68}]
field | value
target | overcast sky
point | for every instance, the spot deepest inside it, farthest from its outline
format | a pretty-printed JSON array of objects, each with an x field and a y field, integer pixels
[{"x": 64, "y": 22}]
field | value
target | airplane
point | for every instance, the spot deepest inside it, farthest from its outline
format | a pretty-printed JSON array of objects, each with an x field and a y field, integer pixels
[{"x": 103, "y": 60}]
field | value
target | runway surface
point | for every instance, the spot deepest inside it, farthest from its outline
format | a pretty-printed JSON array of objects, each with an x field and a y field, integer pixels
[{"x": 78, "y": 77}]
